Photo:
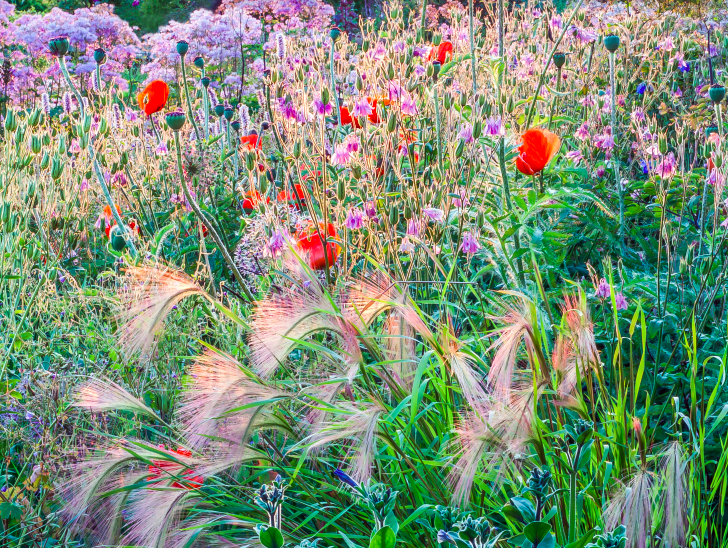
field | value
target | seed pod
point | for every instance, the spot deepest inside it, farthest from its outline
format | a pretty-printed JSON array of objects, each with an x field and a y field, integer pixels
[
  {"x": 124, "y": 158},
  {"x": 297, "y": 149},
  {"x": 407, "y": 212},
  {"x": 250, "y": 161},
  {"x": 264, "y": 183},
  {"x": 34, "y": 118},
  {"x": 463, "y": 99},
  {"x": 341, "y": 189},
  {"x": 356, "y": 172},
  {"x": 359, "y": 82},
  {"x": 103, "y": 127},
  {"x": 87, "y": 123},
  {"x": 325, "y": 96},
  {"x": 57, "y": 168},
  {"x": 511, "y": 105},
  {"x": 392, "y": 123},
  {"x": 11, "y": 122},
  {"x": 460, "y": 149},
  {"x": 663, "y": 144},
  {"x": 393, "y": 216},
  {"x": 477, "y": 130},
  {"x": 447, "y": 101},
  {"x": 45, "y": 161},
  {"x": 35, "y": 144},
  {"x": 390, "y": 72}
]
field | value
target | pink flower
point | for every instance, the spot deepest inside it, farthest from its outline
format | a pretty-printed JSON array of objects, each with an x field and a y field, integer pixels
[
  {"x": 603, "y": 289},
  {"x": 620, "y": 301},
  {"x": 469, "y": 243},
  {"x": 466, "y": 134},
  {"x": 361, "y": 108},
  {"x": 494, "y": 126},
  {"x": 408, "y": 106},
  {"x": 434, "y": 213},
  {"x": 341, "y": 156},
  {"x": 355, "y": 219}
]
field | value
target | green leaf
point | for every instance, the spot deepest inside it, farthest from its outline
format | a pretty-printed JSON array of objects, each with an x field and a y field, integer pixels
[
  {"x": 583, "y": 540},
  {"x": 536, "y": 531},
  {"x": 384, "y": 538},
  {"x": 271, "y": 538},
  {"x": 8, "y": 510},
  {"x": 520, "y": 509}
]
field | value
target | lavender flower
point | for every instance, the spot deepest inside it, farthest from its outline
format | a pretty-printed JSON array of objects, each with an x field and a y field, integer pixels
[
  {"x": 603, "y": 289},
  {"x": 469, "y": 243},
  {"x": 355, "y": 219}
]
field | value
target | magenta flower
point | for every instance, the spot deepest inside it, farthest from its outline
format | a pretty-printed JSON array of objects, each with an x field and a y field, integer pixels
[
  {"x": 469, "y": 243},
  {"x": 494, "y": 126},
  {"x": 321, "y": 108},
  {"x": 355, "y": 219},
  {"x": 466, "y": 134},
  {"x": 408, "y": 106},
  {"x": 621, "y": 302},
  {"x": 434, "y": 213},
  {"x": 603, "y": 289}
]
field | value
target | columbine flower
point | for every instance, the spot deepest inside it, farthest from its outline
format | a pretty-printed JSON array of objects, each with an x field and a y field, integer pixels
[
  {"x": 75, "y": 147},
  {"x": 575, "y": 156},
  {"x": 583, "y": 132},
  {"x": 434, "y": 213},
  {"x": 362, "y": 108},
  {"x": 667, "y": 166},
  {"x": 341, "y": 156},
  {"x": 466, "y": 134},
  {"x": 408, "y": 105},
  {"x": 603, "y": 289},
  {"x": 413, "y": 227},
  {"x": 352, "y": 143},
  {"x": 355, "y": 219},
  {"x": 161, "y": 149},
  {"x": 620, "y": 301},
  {"x": 469, "y": 243},
  {"x": 494, "y": 126},
  {"x": 638, "y": 115},
  {"x": 321, "y": 109},
  {"x": 277, "y": 243},
  {"x": 406, "y": 246},
  {"x": 370, "y": 209},
  {"x": 605, "y": 141}
]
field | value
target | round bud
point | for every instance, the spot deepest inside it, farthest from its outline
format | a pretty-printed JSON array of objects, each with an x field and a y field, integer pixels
[
  {"x": 58, "y": 46},
  {"x": 559, "y": 59},
  {"x": 611, "y": 42},
  {"x": 199, "y": 62},
  {"x": 205, "y": 81},
  {"x": 99, "y": 56},
  {"x": 182, "y": 47},
  {"x": 175, "y": 120}
]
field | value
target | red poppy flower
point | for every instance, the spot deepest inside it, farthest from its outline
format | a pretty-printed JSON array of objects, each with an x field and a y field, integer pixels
[
  {"x": 159, "y": 469},
  {"x": 251, "y": 142},
  {"x": 538, "y": 149},
  {"x": 154, "y": 97},
  {"x": 292, "y": 199},
  {"x": 711, "y": 164},
  {"x": 310, "y": 242},
  {"x": 251, "y": 201},
  {"x": 441, "y": 53},
  {"x": 374, "y": 116},
  {"x": 347, "y": 119}
]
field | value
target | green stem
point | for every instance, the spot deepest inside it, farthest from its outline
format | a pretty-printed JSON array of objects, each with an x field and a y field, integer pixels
[
  {"x": 573, "y": 527},
  {"x": 125, "y": 232},
  {"x": 472, "y": 47},
  {"x": 215, "y": 236},
  {"x": 615, "y": 156},
  {"x": 187, "y": 97},
  {"x": 437, "y": 128},
  {"x": 206, "y": 106},
  {"x": 423, "y": 20}
]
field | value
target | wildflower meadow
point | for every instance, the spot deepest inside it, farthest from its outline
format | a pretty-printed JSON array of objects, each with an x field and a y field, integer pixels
[{"x": 365, "y": 275}]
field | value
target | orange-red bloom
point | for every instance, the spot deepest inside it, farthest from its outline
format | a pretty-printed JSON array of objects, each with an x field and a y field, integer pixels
[
  {"x": 161, "y": 468},
  {"x": 154, "y": 97},
  {"x": 441, "y": 53},
  {"x": 292, "y": 199},
  {"x": 310, "y": 242},
  {"x": 251, "y": 201},
  {"x": 347, "y": 119},
  {"x": 538, "y": 149},
  {"x": 251, "y": 142}
]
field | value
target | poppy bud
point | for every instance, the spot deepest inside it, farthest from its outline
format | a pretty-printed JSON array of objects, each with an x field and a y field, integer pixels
[
  {"x": 58, "y": 46},
  {"x": 559, "y": 59},
  {"x": 264, "y": 126},
  {"x": 716, "y": 93},
  {"x": 175, "y": 120},
  {"x": 235, "y": 125},
  {"x": 219, "y": 110},
  {"x": 205, "y": 81},
  {"x": 182, "y": 47},
  {"x": 118, "y": 243},
  {"x": 611, "y": 42},
  {"x": 199, "y": 62},
  {"x": 228, "y": 113},
  {"x": 99, "y": 56},
  {"x": 248, "y": 206},
  {"x": 334, "y": 33},
  {"x": 435, "y": 69}
]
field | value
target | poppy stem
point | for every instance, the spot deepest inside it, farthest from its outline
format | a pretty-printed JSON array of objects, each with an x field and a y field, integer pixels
[
  {"x": 211, "y": 229},
  {"x": 187, "y": 97},
  {"x": 472, "y": 47},
  {"x": 615, "y": 157},
  {"x": 206, "y": 107},
  {"x": 423, "y": 20},
  {"x": 437, "y": 129},
  {"x": 125, "y": 232}
]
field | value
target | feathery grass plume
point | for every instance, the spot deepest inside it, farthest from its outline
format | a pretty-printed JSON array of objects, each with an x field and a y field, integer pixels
[
  {"x": 151, "y": 292},
  {"x": 632, "y": 507},
  {"x": 360, "y": 428},
  {"x": 400, "y": 349},
  {"x": 575, "y": 310},
  {"x": 153, "y": 514},
  {"x": 675, "y": 495},
  {"x": 519, "y": 326},
  {"x": 486, "y": 437},
  {"x": 220, "y": 386},
  {"x": 99, "y": 395},
  {"x": 280, "y": 321},
  {"x": 85, "y": 482},
  {"x": 462, "y": 366},
  {"x": 369, "y": 296}
]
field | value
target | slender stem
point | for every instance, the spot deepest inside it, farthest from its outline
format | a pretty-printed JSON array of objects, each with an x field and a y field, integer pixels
[
  {"x": 215, "y": 236},
  {"x": 472, "y": 47},
  {"x": 125, "y": 232},
  {"x": 206, "y": 106},
  {"x": 615, "y": 156},
  {"x": 572, "y": 496},
  {"x": 437, "y": 129},
  {"x": 423, "y": 20},
  {"x": 187, "y": 96}
]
